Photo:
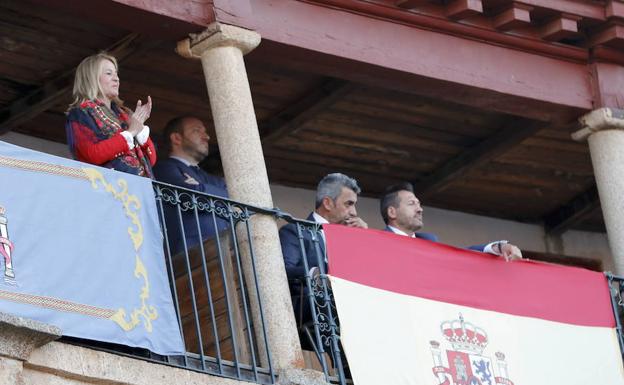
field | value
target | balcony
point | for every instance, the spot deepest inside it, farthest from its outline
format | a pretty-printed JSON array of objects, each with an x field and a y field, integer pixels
[
  {"x": 216, "y": 292},
  {"x": 486, "y": 134},
  {"x": 215, "y": 287}
]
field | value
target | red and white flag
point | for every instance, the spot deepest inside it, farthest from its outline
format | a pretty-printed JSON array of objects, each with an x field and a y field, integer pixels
[{"x": 417, "y": 312}]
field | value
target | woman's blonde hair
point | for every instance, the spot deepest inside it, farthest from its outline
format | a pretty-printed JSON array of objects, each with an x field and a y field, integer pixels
[{"x": 86, "y": 82}]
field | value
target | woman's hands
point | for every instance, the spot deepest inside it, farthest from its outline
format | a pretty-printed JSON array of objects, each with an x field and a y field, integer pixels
[
  {"x": 143, "y": 111},
  {"x": 139, "y": 116}
]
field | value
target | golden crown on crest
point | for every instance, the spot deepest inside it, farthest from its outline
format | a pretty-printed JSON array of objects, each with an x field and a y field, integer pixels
[{"x": 464, "y": 336}]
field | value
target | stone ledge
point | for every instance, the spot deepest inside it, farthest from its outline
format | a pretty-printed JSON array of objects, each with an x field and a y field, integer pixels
[
  {"x": 69, "y": 364},
  {"x": 20, "y": 336},
  {"x": 61, "y": 363},
  {"x": 301, "y": 377}
]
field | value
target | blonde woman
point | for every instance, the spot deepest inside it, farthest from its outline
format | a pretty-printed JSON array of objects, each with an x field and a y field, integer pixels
[{"x": 100, "y": 130}]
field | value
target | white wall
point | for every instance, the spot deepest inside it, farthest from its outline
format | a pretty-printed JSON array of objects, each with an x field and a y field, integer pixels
[
  {"x": 33, "y": 143},
  {"x": 455, "y": 228}
]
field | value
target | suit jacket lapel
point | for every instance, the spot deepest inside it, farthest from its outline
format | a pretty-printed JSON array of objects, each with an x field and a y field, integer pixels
[{"x": 321, "y": 242}]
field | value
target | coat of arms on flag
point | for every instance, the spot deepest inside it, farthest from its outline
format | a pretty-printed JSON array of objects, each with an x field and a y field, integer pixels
[{"x": 465, "y": 363}]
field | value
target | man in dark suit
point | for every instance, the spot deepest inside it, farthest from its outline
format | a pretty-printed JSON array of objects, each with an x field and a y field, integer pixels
[
  {"x": 186, "y": 141},
  {"x": 403, "y": 215},
  {"x": 336, "y": 197}
]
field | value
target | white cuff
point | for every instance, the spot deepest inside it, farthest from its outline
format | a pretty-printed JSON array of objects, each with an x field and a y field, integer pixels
[
  {"x": 489, "y": 248},
  {"x": 143, "y": 135},
  {"x": 129, "y": 139}
]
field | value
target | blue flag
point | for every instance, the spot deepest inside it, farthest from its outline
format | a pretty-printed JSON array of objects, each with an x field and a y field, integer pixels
[{"x": 81, "y": 248}]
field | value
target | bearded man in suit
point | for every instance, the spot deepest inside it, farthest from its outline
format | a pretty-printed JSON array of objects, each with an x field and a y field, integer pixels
[{"x": 403, "y": 215}]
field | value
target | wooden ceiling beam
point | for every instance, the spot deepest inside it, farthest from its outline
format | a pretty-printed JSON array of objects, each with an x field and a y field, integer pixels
[
  {"x": 573, "y": 212},
  {"x": 169, "y": 20},
  {"x": 508, "y": 137},
  {"x": 290, "y": 119},
  {"x": 615, "y": 9},
  {"x": 462, "y": 9},
  {"x": 613, "y": 33},
  {"x": 409, "y": 4},
  {"x": 587, "y": 9},
  {"x": 561, "y": 27},
  {"x": 595, "y": 10},
  {"x": 52, "y": 91},
  {"x": 516, "y": 16}
]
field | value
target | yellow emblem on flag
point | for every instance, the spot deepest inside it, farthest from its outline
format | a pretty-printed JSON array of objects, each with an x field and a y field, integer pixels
[{"x": 131, "y": 205}]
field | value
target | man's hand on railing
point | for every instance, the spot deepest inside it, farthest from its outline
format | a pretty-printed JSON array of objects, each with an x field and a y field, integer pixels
[
  {"x": 510, "y": 252},
  {"x": 315, "y": 276}
]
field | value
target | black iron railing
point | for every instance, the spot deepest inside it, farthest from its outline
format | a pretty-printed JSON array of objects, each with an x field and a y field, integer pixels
[
  {"x": 616, "y": 286},
  {"x": 200, "y": 229},
  {"x": 315, "y": 309},
  {"x": 210, "y": 261},
  {"x": 211, "y": 265}
]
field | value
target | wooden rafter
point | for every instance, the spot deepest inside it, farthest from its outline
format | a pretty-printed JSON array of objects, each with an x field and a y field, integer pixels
[
  {"x": 462, "y": 9},
  {"x": 573, "y": 212},
  {"x": 295, "y": 115},
  {"x": 615, "y": 9},
  {"x": 517, "y": 15},
  {"x": 408, "y": 4},
  {"x": 49, "y": 94},
  {"x": 611, "y": 34},
  {"x": 561, "y": 27},
  {"x": 496, "y": 145}
]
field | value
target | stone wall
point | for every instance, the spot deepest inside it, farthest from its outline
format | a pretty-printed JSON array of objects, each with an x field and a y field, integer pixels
[{"x": 58, "y": 363}]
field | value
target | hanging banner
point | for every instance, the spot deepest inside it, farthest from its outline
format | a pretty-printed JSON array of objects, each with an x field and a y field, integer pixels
[
  {"x": 81, "y": 249},
  {"x": 417, "y": 312}
]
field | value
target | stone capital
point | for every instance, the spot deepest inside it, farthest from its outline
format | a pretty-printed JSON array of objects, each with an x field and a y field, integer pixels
[
  {"x": 599, "y": 120},
  {"x": 218, "y": 35},
  {"x": 20, "y": 336}
]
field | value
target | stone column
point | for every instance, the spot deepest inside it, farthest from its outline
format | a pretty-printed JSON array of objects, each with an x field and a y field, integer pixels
[
  {"x": 221, "y": 48},
  {"x": 18, "y": 338},
  {"x": 604, "y": 130}
]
